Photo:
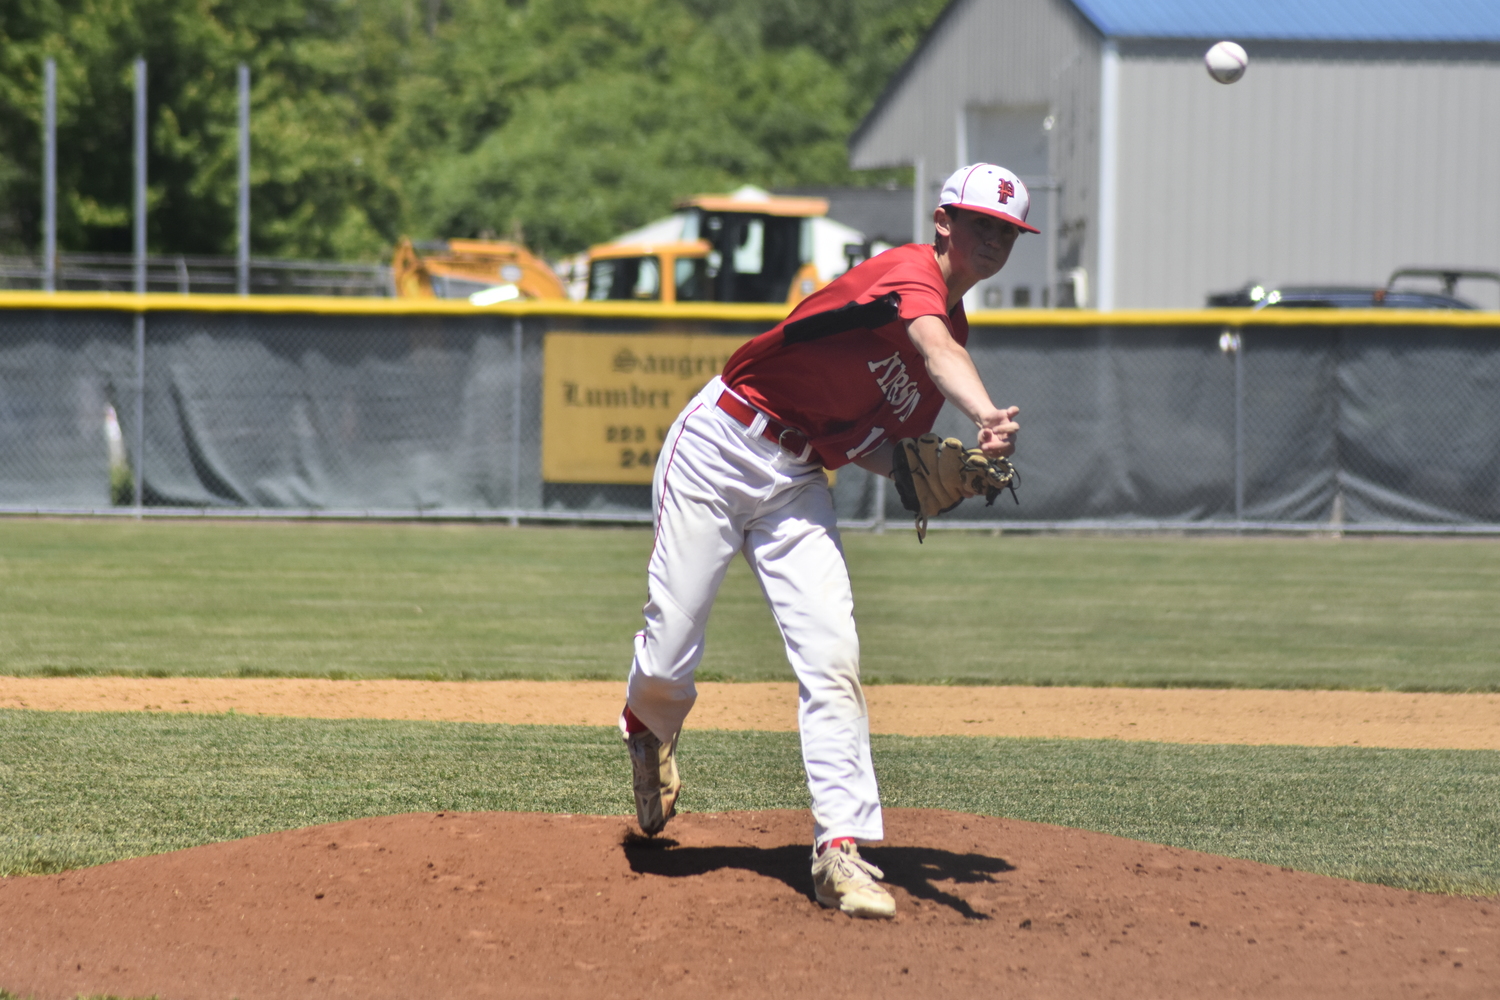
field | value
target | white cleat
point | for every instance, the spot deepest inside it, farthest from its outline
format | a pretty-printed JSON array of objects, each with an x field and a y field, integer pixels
[
  {"x": 654, "y": 767},
  {"x": 844, "y": 881}
]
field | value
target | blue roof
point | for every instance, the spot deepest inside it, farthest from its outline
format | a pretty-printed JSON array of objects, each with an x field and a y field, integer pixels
[{"x": 1299, "y": 20}]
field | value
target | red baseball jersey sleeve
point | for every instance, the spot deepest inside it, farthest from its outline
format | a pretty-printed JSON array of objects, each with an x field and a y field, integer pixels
[{"x": 841, "y": 368}]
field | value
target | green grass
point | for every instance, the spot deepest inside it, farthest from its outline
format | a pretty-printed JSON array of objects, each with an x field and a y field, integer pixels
[
  {"x": 81, "y": 789},
  {"x": 473, "y": 601}
]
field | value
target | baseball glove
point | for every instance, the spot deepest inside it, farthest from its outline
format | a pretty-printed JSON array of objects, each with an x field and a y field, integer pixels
[{"x": 933, "y": 475}]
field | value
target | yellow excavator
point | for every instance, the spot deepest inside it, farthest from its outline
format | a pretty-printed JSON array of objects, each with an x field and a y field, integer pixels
[
  {"x": 482, "y": 271},
  {"x": 748, "y": 246}
]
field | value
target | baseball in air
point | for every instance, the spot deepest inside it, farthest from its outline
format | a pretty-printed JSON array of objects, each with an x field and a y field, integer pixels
[{"x": 1226, "y": 62}]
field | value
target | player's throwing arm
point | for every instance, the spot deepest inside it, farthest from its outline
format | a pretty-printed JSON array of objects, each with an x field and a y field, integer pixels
[{"x": 933, "y": 475}]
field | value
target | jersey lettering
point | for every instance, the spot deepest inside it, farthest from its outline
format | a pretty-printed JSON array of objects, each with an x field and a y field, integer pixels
[
  {"x": 908, "y": 406},
  {"x": 871, "y": 439},
  {"x": 900, "y": 388},
  {"x": 808, "y": 371},
  {"x": 890, "y": 364}
]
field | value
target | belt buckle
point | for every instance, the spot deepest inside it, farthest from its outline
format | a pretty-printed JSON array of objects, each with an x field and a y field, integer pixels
[{"x": 804, "y": 452}]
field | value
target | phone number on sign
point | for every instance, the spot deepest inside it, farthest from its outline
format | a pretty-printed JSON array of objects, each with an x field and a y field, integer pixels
[{"x": 632, "y": 458}]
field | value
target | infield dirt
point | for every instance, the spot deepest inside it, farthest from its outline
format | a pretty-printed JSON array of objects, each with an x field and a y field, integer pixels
[
  {"x": 523, "y": 905},
  {"x": 1175, "y": 715}
]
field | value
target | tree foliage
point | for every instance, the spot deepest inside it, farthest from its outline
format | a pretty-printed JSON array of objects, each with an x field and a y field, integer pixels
[{"x": 560, "y": 120}]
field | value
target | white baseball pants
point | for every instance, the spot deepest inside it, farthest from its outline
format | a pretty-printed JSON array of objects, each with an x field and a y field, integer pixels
[{"x": 721, "y": 488}]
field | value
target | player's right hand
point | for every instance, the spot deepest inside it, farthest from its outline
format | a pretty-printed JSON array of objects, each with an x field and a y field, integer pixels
[{"x": 997, "y": 433}]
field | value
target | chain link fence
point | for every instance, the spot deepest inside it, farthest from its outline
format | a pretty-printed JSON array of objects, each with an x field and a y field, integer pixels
[
  {"x": 1175, "y": 423},
  {"x": 195, "y": 275}
]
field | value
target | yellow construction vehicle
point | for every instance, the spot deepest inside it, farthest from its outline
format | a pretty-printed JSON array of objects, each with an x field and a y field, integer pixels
[
  {"x": 483, "y": 271},
  {"x": 749, "y": 246}
]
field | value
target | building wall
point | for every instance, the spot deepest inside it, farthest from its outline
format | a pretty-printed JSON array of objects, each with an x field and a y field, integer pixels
[
  {"x": 984, "y": 55},
  {"x": 883, "y": 214},
  {"x": 1334, "y": 165}
]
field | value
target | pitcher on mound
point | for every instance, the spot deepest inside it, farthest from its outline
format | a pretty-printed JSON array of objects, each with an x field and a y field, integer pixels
[{"x": 858, "y": 366}]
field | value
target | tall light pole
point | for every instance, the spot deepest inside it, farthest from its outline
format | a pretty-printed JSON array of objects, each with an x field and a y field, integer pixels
[
  {"x": 49, "y": 175},
  {"x": 140, "y": 175},
  {"x": 242, "y": 264},
  {"x": 140, "y": 279}
]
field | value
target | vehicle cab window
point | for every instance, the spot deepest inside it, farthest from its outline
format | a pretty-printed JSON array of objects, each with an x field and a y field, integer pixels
[
  {"x": 691, "y": 278},
  {"x": 629, "y": 278},
  {"x": 647, "y": 279}
]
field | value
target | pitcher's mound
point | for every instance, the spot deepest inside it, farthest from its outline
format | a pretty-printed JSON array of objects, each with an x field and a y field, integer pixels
[{"x": 519, "y": 905}]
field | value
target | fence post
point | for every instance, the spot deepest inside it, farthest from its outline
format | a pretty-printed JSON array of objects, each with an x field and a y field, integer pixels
[
  {"x": 1336, "y": 514},
  {"x": 1239, "y": 428},
  {"x": 140, "y": 410},
  {"x": 518, "y": 381},
  {"x": 1230, "y": 343}
]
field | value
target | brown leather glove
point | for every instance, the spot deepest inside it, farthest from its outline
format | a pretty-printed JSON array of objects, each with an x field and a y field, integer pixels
[{"x": 933, "y": 475}]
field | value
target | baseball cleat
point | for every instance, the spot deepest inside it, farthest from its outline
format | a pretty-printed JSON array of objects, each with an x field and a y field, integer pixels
[
  {"x": 844, "y": 881},
  {"x": 657, "y": 785}
]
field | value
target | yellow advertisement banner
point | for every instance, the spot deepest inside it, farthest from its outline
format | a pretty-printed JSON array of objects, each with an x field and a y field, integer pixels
[{"x": 608, "y": 399}]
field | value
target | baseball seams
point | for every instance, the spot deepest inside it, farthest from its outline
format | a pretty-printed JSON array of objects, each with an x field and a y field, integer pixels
[{"x": 1226, "y": 62}]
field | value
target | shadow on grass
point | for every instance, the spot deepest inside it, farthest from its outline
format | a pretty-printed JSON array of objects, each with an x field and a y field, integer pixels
[{"x": 915, "y": 869}]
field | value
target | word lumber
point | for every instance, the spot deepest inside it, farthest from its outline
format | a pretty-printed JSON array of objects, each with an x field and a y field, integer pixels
[{"x": 609, "y": 399}]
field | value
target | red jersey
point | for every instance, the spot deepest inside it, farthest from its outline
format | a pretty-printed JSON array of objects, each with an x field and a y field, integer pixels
[{"x": 841, "y": 368}]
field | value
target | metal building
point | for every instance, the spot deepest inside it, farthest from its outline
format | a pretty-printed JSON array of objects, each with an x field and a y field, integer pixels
[{"x": 1364, "y": 137}]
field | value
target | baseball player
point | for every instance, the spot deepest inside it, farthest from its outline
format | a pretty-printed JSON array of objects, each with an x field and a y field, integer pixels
[{"x": 856, "y": 368}]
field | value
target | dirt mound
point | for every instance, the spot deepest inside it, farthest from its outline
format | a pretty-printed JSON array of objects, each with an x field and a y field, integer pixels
[{"x": 504, "y": 904}]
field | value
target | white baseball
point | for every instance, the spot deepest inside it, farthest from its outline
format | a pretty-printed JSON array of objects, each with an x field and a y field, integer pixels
[{"x": 1226, "y": 62}]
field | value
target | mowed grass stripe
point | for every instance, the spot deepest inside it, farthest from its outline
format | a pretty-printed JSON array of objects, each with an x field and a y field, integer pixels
[
  {"x": 479, "y": 601},
  {"x": 81, "y": 789}
]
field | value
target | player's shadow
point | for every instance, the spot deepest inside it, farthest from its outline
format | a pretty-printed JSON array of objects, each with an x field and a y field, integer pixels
[{"x": 915, "y": 869}]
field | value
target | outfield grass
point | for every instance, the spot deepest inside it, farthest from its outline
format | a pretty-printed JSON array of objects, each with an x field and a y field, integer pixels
[
  {"x": 84, "y": 788},
  {"x": 472, "y": 601}
]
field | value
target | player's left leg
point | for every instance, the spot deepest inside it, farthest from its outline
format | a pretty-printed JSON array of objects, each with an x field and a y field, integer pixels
[
  {"x": 793, "y": 547},
  {"x": 794, "y": 550}
]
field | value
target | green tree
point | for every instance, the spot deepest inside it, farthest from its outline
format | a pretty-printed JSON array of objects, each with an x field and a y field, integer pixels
[
  {"x": 571, "y": 120},
  {"x": 606, "y": 115},
  {"x": 563, "y": 120},
  {"x": 317, "y": 66}
]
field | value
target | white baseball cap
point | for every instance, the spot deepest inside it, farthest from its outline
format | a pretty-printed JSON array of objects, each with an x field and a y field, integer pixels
[{"x": 984, "y": 187}]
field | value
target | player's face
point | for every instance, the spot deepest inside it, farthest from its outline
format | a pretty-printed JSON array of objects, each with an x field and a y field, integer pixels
[{"x": 982, "y": 241}]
